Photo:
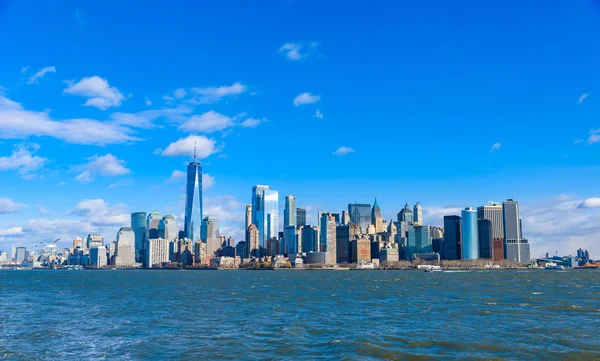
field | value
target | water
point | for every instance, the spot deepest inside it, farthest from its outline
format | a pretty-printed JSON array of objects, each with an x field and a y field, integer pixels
[{"x": 306, "y": 315}]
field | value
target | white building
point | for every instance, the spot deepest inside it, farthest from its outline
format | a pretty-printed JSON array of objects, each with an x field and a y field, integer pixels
[
  {"x": 157, "y": 252},
  {"x": 125, "y": 249}
]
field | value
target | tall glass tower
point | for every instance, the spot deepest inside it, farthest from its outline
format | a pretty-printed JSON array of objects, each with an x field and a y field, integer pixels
[
  {"x": 470, "y": 234},
  {"x": 138, "y": 225},
  {"x": 289, "y": 213},
  {"x": 193, "y": 200}
]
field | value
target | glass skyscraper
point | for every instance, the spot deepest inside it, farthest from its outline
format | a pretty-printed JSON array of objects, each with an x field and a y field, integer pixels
[
  {"x": 167, "y": 228},
  {"x": 265, "y": 213},
  {"x": 470, "y": 234},
  {"x": 138, "y": 225},
  {"x": 360, "y": 214},
  {"x": 152, "y": 223},
  {"x": 516, "y": 248},
  {"x": 452, "y": 237},
  {"x": 289, "y": 213},
  {"x": 193, "y": 200},
  {"x": 300, "y": 217}
]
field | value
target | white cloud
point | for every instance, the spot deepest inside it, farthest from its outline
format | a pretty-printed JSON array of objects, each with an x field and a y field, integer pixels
[
  {"x": 185, "y": 147},
  {"x": 148, "y": 101},
  {"x": 98, "y": 92},
  {"x": 207, "y": 181},
  {"x": 496, "y": 147},
  {"x": 212, "y": 95},
  {"x": 318, "y": 114},
  {"x": 7, "y": 205},
  {"x": 306, "y": 98},
  {"x": 582, "y": 97},
  {"x": 145, "y": 119},
  {"x": 179, "y": 93},
  {"x": 298, "y": 51},
  {"x": 13, "y": 231},
  {"x": 23, "y": 160},
  {"x": 434, "y": 215},
  {"x": 208, "y": 122},
  {"x": 99, "y": 213},
  {"x": 343, "y": 151},
  {"x": 40, "y": 74},
  {"x": 20, "y": 123},
  {"x": 176, "y": 175},
  {"x": 105, "y": 165},
  {"x": 24, "y": 69},
  {"x": 593, "y": 202},
  {"x": 594, "y": 136},
  {"x": 42, "y": 209},
  {"x": 253, "y": 122},
  {"x": 121, "y": 183}
]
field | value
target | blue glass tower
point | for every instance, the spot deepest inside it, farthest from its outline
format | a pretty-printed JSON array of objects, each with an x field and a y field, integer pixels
[
  {"x": 193, "y": 200},
  {"x": 470, "y": 234},
  {"x": 138, "y": 225}
]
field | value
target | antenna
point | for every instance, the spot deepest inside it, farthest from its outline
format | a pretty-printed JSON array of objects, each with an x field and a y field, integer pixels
[{"x": 194, "y": 151}]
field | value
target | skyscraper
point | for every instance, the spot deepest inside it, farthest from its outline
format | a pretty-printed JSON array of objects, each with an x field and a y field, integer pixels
[
  {"x": 167, "y": 228},
  {"x": 418, "y": 213},
  {"x": 360, "y": 214},
  {"x": 193, "y": 200},
  {"x": 152, "y": 225},
  {"x": 271, "y": 208},
  {"x": 406, "y": 215},
  {"x": 328, "y": 238},
  {"x": 516, "y": 248},
  {"x": 470, "y": 234},
  {"x": 258, "y": 212},
  {"x": 94, "y": 240},
  {"x": 376, "y": 218},
  {"x": 253, "y": 245},
  {"x": 310, "y": 239},
  {"x": 289, "y": 213},
  {"x": 492, "y": 212},
  {"x": 248, "y": 215},
  {"x": 209, "y": 234},
  {"x": 300, "y": 217},
  {"x": 289, "y": 235},
  {"x": 484, "y": 227},
  {"x": 138, "y": 225},
  {"x": 345, "y": 217},
  {"x": 452, "y": 237},
  {"x": 418, "y": 241},
  {"x": 125, "y": 248}
]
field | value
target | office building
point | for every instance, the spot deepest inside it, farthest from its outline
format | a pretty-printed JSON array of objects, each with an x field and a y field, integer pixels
[
  {"x": 484, "y": 227},
  {"x": 418, "y": 241},
  {"x": 253, "y": 245},
  {"x": 265, "y": 212},
  {"x": 98, "y": 257},
  {"x": 418, "y": 213},
  {"x": 125, "y": 248},
  {"x": 152, "y": 224},
  {"x": 193, "y": 200},
  {"x": 248, "y": 217},
  {"x": 516, "y": 249},
  {"x": 406, "y": 215},
  {"x": 310, "y": 239},
  {"x": 209, "y": 234},
  {"x": 291, "y": 239},
  {"x": 360, "y": 214},
  {"x": 328, "y": 238},
  {"x": 300, "y": 217},
  {"x": 493, "y": 213},
  {"x": 470, "y": 234},
  {"x": 376, "y": 218},
  {"x": 345, "y": 217},
  {"x": 159, "y": 252},
  {"x": 289, "y": 212},
  {"x": 452, "y": 238},
  {"x": 388, "y": 255},
  {"x": 77, "y": 242},
  {"x": 94, "y": 240},
  {"x": 167, "y": 228},
  {"x": 21, "y": 254},
  {"x": 391, "y": 232},
  {"x": 138, "y": 225},
  {"x": 360, "y": 250}
]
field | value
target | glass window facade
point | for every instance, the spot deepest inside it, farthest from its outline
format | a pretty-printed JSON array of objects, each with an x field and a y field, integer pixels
[{"x": 193, "y": 201}]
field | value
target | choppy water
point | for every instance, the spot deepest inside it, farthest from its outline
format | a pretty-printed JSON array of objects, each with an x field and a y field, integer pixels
[{"x": 306, "y": 315}]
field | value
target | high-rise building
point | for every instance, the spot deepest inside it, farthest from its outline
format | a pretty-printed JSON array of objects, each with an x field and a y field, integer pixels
[
  {"x": 159, "y": 251},
  {"x": 98, "y": 257},
  {"x": 470, "y": 234},
  {"x": 21, "y": 254},
  {"x": 271, "y": 206},
  {"x": 345, "y": 217},
  {"x": 418, "y": 241},
  {"x": 265, "y": 212},
  {"x": 138, "y": 225},
  {"x": 77, "y": 242},
  {"x": 167, "y": 228},
  {"x": 291, "y": 240},
  {"x": 94, "y": 240},
  {"x": 248, "y": 215},
  {"x": 484, "y": 227},
  {"x": 152, "y": 224},
  {"x": 328, "y": 238},
  {"x": 418, "y": 213},
  {"x": 300, "y": 217},
  {"x": 310, "y": 239},
  {"x": 193, "y": 200},
  {"x": 289, "y": 213},
  {"x": 452, "y": 238},
  {"x": 406, "y": 215},
  {"x": 253, "y": 245},
  {"x": 360, "y": 249},
  {"x": 125, "y": 249},
  {"x": 516, "y": 248},
  {"x": 391, "y": 231},
  {"x": 492, "y": 212},
  {"x": 209, "y": 234},
  {"x": 376, "y": 218},
  {"x": 361, "y": 215}
]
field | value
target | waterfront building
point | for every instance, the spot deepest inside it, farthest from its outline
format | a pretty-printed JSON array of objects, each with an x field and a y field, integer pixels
[
  {"x": 94, "y": 240},
  {"x": 360, "y": 214},
  {"x": 418, "y": 213},
  {"x": 498, "y": 249},
  {"x": 265, "y": 212},
  {"x": 418, "y": 241},
  {"x": 493, "y": 213},
  {"x": 167, "y": 228},
  {"x": 77, "y": 242},
  {"x": 98, "y": 257},
  {"x": 240, "y": 249},
  {"x": 388, "y": 255},
  {"x": 290, "y": 237},
  {"x": 159, "y": 252},
  {"x": 125, "y": 252},
  {"x": 452, "y": 238},
  {"x": 391, "y": 231},
  {"x": 21, "y": 254},
  {"x": 516, "y": 248},
  {"x": 152, "y": 224},
  {"x": 436, "y": 232},
  {"x": 328, "y": 238},
  {"x": 138, "y": 225},
  {"x": 272, "y": 247},
  {"x": 209, "y": 234},
  {"x": 310, "y": 238},
  {"x": 248, "y": 221},
  {"x": 253, "y": 247},
  {"x": 470, "y": 234},
  {"x": 360, "y": 249},
  {"x": 315, "y": 258},
  {"x": 376, "y": 218},
  {"x": 289, "y": 212},
  {"x": 193, "y": 200},
  {"x": 485, "y": 227},
  {"x": 300, "y": 217}
]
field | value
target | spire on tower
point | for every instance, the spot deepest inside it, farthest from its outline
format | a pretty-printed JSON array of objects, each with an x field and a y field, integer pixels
[{"x": 194, "y": 151}]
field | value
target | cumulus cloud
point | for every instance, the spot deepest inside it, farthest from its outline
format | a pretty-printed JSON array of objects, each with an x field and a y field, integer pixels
[
  {"x": 23, "y": 160},
  {"x": 207, "y": 181},
  {"x": 7, "y": 205},
  {"x": 253, "y": 122},
  {"x": 176, "y": 175},
  {"x": 145, "y": 119},
  {"x": 214, "y": 94},
  {"x": 40, "y": 74},
  {"x": 582, "y": 97},
  {"x": 298, "y": 51},
  {"x": 343, "y": 151},
  {"x": 98, "y": 92},
  {"x": 11, "y": 232},
  {"x": 208, "y": 122},
  {"x": 306, "y": 98},
  {"x": 18, "y": 123},
  {"x": 99, "y": 213},
  {"x": 179, "y": 93},
  {"x": 185, "y": 147},
  {"x": 496, "y": 147},
  {"x": 105, "y": 165},
  {"x": 590, "y": 203},
  {"x": 318, "y": 114}
]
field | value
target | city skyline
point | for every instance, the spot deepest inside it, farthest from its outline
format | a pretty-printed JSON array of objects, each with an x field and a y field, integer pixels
[{"x": 87, "y": 140}]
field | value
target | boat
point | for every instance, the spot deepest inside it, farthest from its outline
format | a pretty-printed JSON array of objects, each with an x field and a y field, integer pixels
[
  {"x": 554, "y": 266},
  {"x": 434, "y": 270}
]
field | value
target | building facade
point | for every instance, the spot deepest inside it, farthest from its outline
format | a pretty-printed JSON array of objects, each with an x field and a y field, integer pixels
[
  {"x": 289, "y": 212},
  {"x": 209, "y": 234},
  {"x": 418, "y": 241},
  {"x": 376, "y": 218},
  {"x": 94, "y": 240},
  {"x": 484, "y": 227},
  {"x": 418, "y": 213},
  {"x": 98, "y": 257},
  {"x": 158, "y": 252},
  {"x": 138, "y": 225},
  {"x": 168, "y": 228},
  {"x": 152, "y": 223},
  {"x": 328, "y": 238},
  {"x": 291, "y": 239},
  {"x": 470, "y": 234},
  {"x": 452, "y": 238},
  {"x": 125, "y": 252},
  {"x": 253, "y": 245},
  {"x": 516, "y": 249},
  {"x": 493, "y": 213},
  {"x": 193, "y": 200},
  {"x": 300, "y": 217},
  {"x": 360, "y": 214},
  {"x": 310, "y": 238}
]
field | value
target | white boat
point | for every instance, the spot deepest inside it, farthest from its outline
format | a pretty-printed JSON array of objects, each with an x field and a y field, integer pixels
[
  {"x": 554, "y": 266},
  {"x": 434, "y": 270}
]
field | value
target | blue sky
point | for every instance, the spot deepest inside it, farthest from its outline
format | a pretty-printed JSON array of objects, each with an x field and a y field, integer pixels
[{"x": 452, "y": 104}]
